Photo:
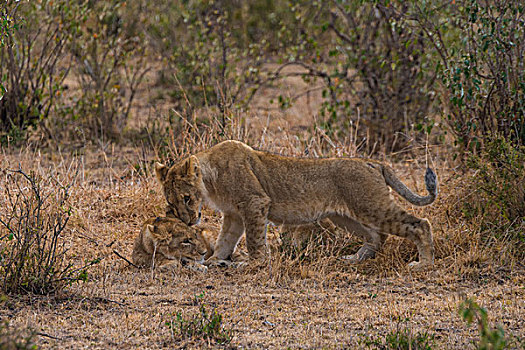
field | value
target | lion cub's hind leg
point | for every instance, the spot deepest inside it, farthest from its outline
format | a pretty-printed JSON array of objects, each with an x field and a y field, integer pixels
[
  {"x": 367, "y": 251},
  {"x": 425, "y": 246},
  {"x": 373, "y": 240},
  {"x": 397, "y": 221}
]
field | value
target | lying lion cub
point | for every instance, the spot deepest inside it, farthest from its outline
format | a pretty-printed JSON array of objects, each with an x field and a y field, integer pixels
[{"x": 169, "y": 240}]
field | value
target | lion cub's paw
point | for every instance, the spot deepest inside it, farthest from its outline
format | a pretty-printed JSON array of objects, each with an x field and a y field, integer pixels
[
  {"x": 238, "y": 264},
  {"x": 177, "y": 266},
  {"x": 418, "y": 265},
  {"x": 197, "y": 267},
  {"x": 364, "y": 253},
  {"x": 170, "y": 266},
  {"x": 351, "y": 259},
  {"x": 356, "y": 258},
  {"x": 214, "y": 262}
]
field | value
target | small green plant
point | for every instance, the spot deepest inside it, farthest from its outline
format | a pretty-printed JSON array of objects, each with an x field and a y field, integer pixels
[
  {"x": 205, "y": 325},
  {"x": 16, "y": 339},
  {"x": 402, "y": 338},
  {"x": 490, "y": 338}
]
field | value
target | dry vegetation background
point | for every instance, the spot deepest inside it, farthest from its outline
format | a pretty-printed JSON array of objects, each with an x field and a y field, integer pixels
[{"x": 93, "y": 92}]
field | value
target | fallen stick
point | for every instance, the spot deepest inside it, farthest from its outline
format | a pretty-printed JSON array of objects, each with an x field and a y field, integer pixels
[{"x": 123, "y": 258}]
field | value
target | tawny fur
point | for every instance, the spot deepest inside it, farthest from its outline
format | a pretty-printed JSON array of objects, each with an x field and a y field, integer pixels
[
  {"x": 252, "y": 187},
  {"x": 170, "y": 240}
]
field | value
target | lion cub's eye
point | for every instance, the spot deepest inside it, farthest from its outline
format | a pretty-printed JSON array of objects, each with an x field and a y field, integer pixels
[
  {"x": 186, "y": 241},
  {"x": 187, "y": 199}
]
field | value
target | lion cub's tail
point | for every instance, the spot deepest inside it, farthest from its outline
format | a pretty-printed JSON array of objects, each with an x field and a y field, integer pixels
[{"x": 430, "y": 181}]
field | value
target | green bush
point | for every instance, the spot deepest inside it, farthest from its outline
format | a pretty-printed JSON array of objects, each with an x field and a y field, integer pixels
[
  {"x": 383, "y": 67},
  {"x": 480, "y": 45},
  {"x": 42, "y": 43},
  {"x": 490, "y": 339},
  {"x": 496, "y": 203},
  {"x": 210, "y": 60},
  {"x": 377, "y": 71},
  {"x": 487, "y": 79},
  {"x": 377, "y": 63},
  {"x": 110, "y": 64},
  {"x": 33, "y": 62},
  {"x": 384, "y": 57}
]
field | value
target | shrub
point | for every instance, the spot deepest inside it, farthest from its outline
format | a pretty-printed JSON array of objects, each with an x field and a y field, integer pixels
[
  {"x": 487, "y": 79},
  {"x": 35, "y": 212},
  {"x": 496, "y": 201},
  {"x": 480, "y": 46},
  {"x": 490, "y": 339},
  {"x": 368, "y": 58},
  {"x": 209, "y": 58},
  {"x": 33, "y": 67},
  {"x": 110, "y": 66},
  {"x": 387, "y": 68}
]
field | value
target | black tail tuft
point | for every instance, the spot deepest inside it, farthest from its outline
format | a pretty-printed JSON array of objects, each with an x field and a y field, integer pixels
[{"x": 431, "y": 181}]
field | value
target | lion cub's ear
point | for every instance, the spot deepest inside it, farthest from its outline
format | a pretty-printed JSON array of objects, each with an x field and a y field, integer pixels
[
  {"x": 149, "y": 231},
  {"x": 161, "y": 170},
  {"x": 152, "y": 233},
  {"x": 192, "y": 167}
]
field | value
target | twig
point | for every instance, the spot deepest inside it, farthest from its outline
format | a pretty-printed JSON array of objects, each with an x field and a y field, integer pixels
[
  {"x": 123, "y": 258},
  {"x": 48, "y": 336},
  {"x": 106, "y": 300}
]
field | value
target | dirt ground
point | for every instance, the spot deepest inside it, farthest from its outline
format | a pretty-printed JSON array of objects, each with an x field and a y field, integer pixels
[{"x": 130, "y": 309}]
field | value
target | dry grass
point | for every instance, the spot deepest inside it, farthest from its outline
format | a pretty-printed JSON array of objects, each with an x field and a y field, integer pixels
[{"x": 311, "y": 300}]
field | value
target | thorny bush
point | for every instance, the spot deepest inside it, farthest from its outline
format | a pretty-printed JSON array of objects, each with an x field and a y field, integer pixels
[{"x": 34, "y": 214}]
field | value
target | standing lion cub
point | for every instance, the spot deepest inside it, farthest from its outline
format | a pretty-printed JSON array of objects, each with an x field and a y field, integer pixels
[{"x": 252, "y": 187}]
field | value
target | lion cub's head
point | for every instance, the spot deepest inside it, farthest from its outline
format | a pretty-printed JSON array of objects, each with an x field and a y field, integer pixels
[
  {"x": 169, "y": 239},
  {"x": 182, "y": 186}
]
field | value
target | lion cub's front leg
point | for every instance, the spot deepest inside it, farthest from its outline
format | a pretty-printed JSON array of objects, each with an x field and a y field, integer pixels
[
  {"x": 255, "y": 217},
  {"x": 231, "y": 232},
  {"x": 252, "y": 219}
]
